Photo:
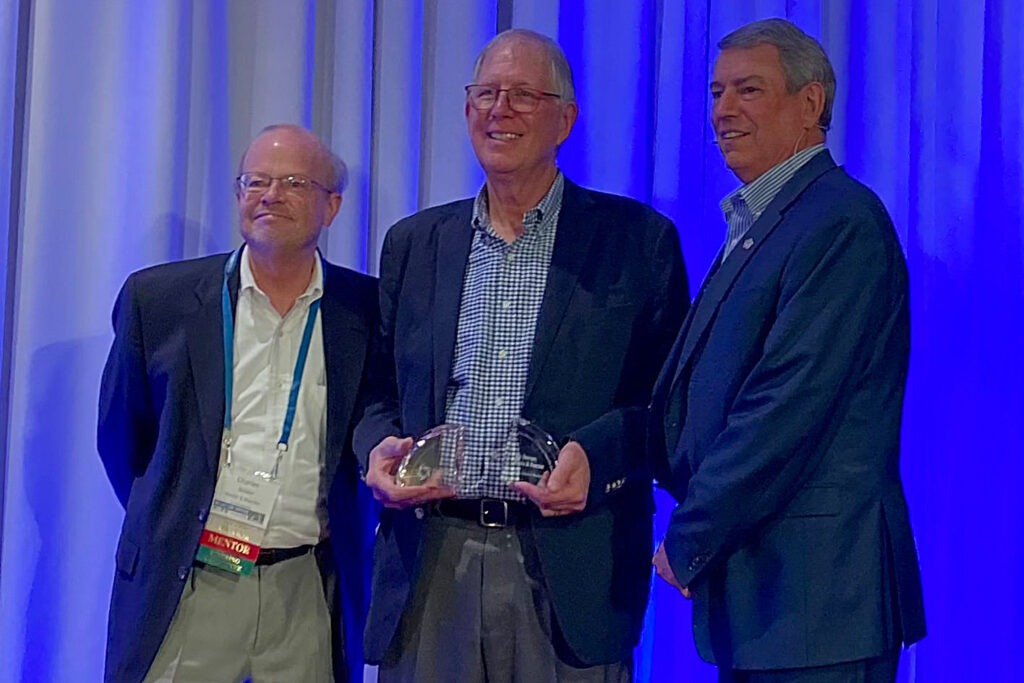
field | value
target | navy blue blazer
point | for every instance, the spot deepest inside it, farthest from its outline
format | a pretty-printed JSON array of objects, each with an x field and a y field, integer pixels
[
  {"x": 615, "y": 297},
  {"x": 161, "y": 413},
  {"x": 779, "y": 414}
]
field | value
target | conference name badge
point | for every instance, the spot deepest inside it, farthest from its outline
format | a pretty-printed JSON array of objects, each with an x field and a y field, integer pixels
[{"x": 238, "y": 521}]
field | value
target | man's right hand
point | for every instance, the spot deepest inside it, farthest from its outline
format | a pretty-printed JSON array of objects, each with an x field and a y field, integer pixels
[{"x": 380, "y": 477}]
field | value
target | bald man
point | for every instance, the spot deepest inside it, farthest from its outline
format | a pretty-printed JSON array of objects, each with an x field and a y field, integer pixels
[{"x": 228, "y": 565}]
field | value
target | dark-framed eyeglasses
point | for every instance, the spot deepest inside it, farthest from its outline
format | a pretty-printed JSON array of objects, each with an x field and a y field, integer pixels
[
  {"x": 296, "y": 183},
  {"x": 520, "y": 99}
]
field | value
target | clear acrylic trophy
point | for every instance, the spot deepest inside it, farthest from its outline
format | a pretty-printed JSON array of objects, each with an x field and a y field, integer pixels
[
  {"x": 530, "y": 452},
  {"x": 436, "y": 458}
]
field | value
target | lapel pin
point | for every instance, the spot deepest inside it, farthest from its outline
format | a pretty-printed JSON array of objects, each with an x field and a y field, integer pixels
[{"x": 748, "y": 243}]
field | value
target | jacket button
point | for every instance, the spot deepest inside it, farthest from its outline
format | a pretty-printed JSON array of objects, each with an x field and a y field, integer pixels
[
  {"x": 182, "y": 573},
  {"x": 202, "y": 515}
]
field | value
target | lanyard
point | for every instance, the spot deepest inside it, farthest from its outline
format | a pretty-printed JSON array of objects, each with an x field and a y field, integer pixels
[{"x": 229, "y": 363}]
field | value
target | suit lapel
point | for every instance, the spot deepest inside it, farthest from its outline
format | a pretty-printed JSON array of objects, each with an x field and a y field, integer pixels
[
  {"x": 344, "y": 335},
  {"x": 718, "y": 283},
  {"x": 454, "y": 237},
  {"x": 205, "y": 342},
  {"x": 572, "y": 244}
]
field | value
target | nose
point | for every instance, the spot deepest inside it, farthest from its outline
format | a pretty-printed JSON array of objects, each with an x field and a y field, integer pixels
[
  {"x": 273, "y": 192},
  {"x": 501, "y": 104},
  {"x": 724, "y": 105}
]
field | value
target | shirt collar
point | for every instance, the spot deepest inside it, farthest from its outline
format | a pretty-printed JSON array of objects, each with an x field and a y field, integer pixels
[
  {"x": 759, "y": 193},
  {"x": 247, "y": 281},
  {"x": 551, "y": 201}
]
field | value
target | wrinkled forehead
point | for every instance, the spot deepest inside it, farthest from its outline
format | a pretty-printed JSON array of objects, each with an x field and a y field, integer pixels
[
  {"x": 517, "y": 57},
  {"x": 285, "y": 146}
]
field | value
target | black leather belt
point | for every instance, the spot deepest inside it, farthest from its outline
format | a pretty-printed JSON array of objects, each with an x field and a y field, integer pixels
[
  {"x": 493, "y": 513},
  {"x": 270, "y": 556}
]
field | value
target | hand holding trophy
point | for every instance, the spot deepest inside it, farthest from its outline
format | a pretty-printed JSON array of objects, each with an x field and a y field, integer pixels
[
  {"x": 435, "y": 458},
  {"x": 557, "y": 480}
]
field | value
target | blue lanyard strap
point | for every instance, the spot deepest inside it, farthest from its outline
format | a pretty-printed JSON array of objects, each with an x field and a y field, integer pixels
[
  {"x": 228, "y": 317},
  {"x": 229, "y": 357},
  {"x": 300, "y": 364}
]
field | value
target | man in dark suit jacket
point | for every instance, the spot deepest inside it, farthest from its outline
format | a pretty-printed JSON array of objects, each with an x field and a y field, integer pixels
[
  {"x": 779, "y": 406},
  {"x": 542, "y": 300},
  {"x": 162, "y": 417}
]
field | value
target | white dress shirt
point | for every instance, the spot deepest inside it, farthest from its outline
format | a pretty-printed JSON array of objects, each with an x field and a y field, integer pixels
[{"x": 266, "y": 346}]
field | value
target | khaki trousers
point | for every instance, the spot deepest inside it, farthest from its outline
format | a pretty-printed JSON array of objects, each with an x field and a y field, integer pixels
[{"x": 270, "y": 626}]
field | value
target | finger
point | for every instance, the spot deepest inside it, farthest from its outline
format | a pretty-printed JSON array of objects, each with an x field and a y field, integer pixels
[
  {"x": 564, "y": 502},
  {"x": 670, "y": 579},
  {"x": 392, "y": 447},
  {"x": 560, "y": 477},
  {"x": 410, "y": 496},
  {"x": 534, "y": 492}
]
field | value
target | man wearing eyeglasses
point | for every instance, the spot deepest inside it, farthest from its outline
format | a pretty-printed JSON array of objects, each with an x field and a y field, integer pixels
[
  {"x": 537, "y": 300},
  {"x": 225, "y": 420}
]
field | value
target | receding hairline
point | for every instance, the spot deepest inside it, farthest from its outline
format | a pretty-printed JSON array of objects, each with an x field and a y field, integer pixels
[
  {"x": 333, "y": 166},
  {"x": 560, "y": 71}
]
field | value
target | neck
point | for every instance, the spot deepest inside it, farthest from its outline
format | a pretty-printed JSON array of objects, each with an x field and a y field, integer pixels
[
  {"x": 283, "y": 277},
  {"x": 809, "y": 137},
  {"x": 510, "y": 197}
]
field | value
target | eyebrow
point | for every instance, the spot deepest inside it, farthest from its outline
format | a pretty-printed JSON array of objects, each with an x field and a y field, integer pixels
[{"x": 755, "y": 79}]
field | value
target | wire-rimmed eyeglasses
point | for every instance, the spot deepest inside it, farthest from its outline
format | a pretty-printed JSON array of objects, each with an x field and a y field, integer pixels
[
  {"x": 520, "y": 99},
  {"x": 258, "y": 183}
]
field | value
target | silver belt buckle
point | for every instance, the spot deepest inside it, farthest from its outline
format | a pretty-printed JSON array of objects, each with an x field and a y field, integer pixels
[{"x": 488, "y": 508}]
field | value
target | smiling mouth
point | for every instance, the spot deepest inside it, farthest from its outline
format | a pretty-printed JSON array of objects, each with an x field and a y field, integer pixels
[
  {"x": 504, "y": 136},
  {"x": 731, "y": 135}
]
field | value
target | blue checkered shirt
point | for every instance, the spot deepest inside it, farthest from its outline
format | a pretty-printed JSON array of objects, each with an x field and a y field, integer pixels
[{"x": 502, "y": 292}]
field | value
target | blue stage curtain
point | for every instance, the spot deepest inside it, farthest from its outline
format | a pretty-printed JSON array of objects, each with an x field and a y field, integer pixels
[{"x": 121, "y": 124}]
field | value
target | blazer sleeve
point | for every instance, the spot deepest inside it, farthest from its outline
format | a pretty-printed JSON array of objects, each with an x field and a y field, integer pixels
[
  {"x": 127, "y": 426},
  {"x": 616, "y": 442},
  {"x": 843, "y": 291}
]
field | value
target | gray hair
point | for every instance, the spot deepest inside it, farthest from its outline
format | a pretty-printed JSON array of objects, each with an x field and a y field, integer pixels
[
  {"x": 337, "y": 171},
  {"x": 561, "y": 72},
  {"x": 803, "y": 59}
]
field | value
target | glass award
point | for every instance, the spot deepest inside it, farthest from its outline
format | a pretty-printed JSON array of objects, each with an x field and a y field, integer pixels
[
  {"x": 435, "y": 459},
  {"x": 532, "y": 453}
]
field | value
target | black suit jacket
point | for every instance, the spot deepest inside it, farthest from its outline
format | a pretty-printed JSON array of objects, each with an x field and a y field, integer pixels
[
  {"x": 615, "y": 296},
  {"x": 779, "y": 410},
  {"x": 161, "y": 413}
]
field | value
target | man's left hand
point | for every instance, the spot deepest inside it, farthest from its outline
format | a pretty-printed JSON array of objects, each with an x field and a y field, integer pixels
[
  {"x": 664, "y": 570},
  {"x": 563, "y": 490}
]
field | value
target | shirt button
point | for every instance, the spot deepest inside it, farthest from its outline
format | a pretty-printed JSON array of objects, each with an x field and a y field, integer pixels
[
  {"x": 420, "y": 514},
  {"x": 499, "y": 402},
  {"x": 505, "y": 304},
  {"x": 502, "y": 354}
]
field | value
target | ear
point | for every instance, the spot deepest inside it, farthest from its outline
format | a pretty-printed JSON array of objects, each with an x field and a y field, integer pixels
[
  {"x": 812, "y": 97},
  {"x": 333, "y": 204},
  {"x": 567, "y": 121}
]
